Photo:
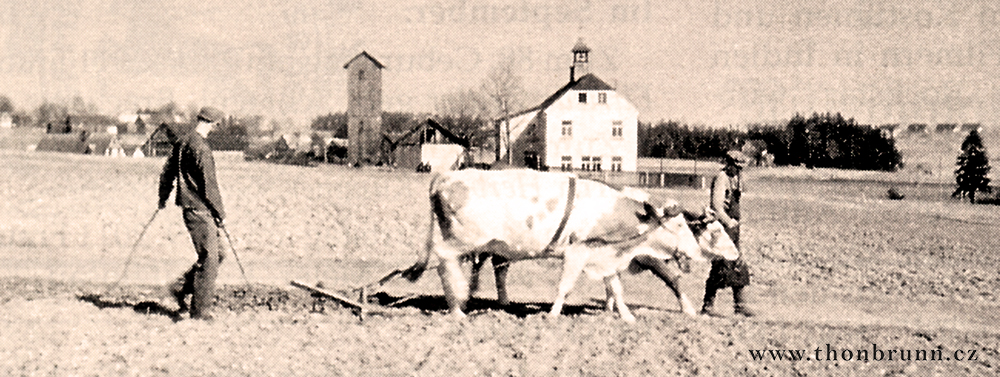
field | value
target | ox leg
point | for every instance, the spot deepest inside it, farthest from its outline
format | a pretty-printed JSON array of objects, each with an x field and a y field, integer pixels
[
  {"x": 478, "y": 261},
  {"x": 573, "y": 263},
  {"x": 456, "y": 290},
  {"x": 614, "y": 283},
  {"x": 671, "y": 276},
  {"x": 500, "y": 266},
  {"x": 609, "y": 297}
]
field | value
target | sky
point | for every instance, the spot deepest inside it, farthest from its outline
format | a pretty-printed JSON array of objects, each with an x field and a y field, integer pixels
[{"x": 708, "y": 62}]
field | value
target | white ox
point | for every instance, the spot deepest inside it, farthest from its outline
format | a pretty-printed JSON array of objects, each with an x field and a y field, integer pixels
[
  {"x": 524, "y": 214},
  {"x": 709, "y": 232}
]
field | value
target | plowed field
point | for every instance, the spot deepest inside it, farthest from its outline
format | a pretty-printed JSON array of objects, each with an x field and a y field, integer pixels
[{"x": 840, "y": 274}]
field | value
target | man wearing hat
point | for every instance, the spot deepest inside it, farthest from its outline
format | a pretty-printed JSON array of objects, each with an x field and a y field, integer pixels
[
  {"x": 727, "y": 188},
  {"x": 192, "y": 167}
]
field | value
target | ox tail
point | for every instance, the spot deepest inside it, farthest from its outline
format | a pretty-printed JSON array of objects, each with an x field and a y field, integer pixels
[{"x": 414, "y": 272}]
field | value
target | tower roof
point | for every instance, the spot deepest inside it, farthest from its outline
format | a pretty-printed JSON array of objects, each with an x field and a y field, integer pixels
[
  {"x": 580, "y": 46},
  {"x": 364, "y": 54}
]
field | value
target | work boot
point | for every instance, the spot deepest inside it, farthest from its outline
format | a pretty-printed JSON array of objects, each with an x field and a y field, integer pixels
[
  {"x": 176, "y": 290},
  {"x": 708, "y": 302},
  {"x": 739, "y": 303}
]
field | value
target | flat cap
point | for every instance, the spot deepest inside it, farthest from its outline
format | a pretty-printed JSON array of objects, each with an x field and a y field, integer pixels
[{"x": 210, "y": 114}]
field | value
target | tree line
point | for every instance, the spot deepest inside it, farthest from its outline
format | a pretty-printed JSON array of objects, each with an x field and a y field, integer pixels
[{"x": 820, "y": 141}]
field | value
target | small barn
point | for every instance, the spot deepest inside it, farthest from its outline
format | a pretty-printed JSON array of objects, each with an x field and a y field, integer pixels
[{"x": 427, "y": 145}]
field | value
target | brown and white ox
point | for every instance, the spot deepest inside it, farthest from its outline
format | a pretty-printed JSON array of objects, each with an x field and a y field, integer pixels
[{"x": 525, "y": 214}]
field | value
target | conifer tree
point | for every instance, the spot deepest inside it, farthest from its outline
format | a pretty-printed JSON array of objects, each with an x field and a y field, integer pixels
[{"x": 973, "y": 166}]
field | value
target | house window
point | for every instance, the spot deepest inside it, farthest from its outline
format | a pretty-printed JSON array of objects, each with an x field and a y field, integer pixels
[
  {"x": 567, "y": 128},
  {"x": 585, "y": 164},
  {"x": 602, "y": 97},
  {"x": 616, "y": 129},
  {"x": 567, "y": 163},
  {"x": 595, "y": 161},
  {"x": 361, "y": 74},
  {"x": 616, "y": 163},
  {"x": 583, "y": 97}
]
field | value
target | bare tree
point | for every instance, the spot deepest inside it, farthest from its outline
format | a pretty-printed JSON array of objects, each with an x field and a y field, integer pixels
[
  {"x": 465, "y": 113},
  {"x": 467, "y": 103},
  {"x": 80, "y": 106},
  {"x": 48, "y": 113},
  {"x": 506, "y": 88}
]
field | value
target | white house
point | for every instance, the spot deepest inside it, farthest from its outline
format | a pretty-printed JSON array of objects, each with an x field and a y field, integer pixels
[{"x": 585, "y": 125}]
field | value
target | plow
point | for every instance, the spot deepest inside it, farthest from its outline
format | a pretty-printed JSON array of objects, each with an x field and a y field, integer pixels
[{"x": 356, "y": 299}]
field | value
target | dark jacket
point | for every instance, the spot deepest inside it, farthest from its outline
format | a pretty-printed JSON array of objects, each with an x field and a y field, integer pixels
[{"x": 192, "y": 166}]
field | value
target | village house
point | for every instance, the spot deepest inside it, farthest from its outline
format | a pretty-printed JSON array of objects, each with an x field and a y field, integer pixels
[
  {"x": 6, "y": 120},
  {"x": 585, "y": 125}
]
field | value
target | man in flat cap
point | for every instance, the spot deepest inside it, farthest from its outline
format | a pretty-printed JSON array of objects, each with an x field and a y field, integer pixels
[
  {"x": 727, "y": 188},
  {"x": 192, "y": 167}
]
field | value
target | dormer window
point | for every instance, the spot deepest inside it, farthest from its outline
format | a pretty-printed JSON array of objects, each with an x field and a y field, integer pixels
[{"x": 582, "y": 97}]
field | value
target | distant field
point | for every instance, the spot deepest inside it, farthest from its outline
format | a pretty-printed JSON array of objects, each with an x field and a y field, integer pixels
[
  {"x": 932, "y": 156},
  {"x": 20, "y": 139}
]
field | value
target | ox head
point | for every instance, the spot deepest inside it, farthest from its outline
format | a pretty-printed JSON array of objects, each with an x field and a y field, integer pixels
[
  {"x": 711, "y": 235},
  {"x": 674, "y": 234}
]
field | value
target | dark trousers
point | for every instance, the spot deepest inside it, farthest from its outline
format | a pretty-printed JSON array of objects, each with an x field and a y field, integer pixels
[
  {"x": 199, "y": 280},
  {"x": 725, "y": 274}
]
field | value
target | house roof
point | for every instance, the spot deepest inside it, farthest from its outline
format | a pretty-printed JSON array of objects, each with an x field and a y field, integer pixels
[
  {"x": 464, "y": 142},
  {"x": 366, "y": 56},
  {"x": 71, "y": 143},
  {"x": 585, "y": 82},
  {"x": 591, "y": 82},
  {"x": 91, "y": 119},
  {"x": 580, "y": 46}
]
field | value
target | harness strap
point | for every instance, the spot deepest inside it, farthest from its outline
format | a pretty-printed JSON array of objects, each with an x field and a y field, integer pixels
[{"x": 565, "y": 218}]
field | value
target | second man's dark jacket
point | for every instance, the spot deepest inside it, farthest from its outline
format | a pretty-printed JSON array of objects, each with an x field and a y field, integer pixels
[{"x": 192, "y": 166}]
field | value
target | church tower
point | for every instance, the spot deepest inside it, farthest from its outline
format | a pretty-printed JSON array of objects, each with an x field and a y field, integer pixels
[
  {"x": 580, "y": 60},
  {"x": 364, "y": 109}
]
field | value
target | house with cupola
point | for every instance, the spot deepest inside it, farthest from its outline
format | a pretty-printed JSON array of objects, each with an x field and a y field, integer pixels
[{"x": 585, "y": 125}]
